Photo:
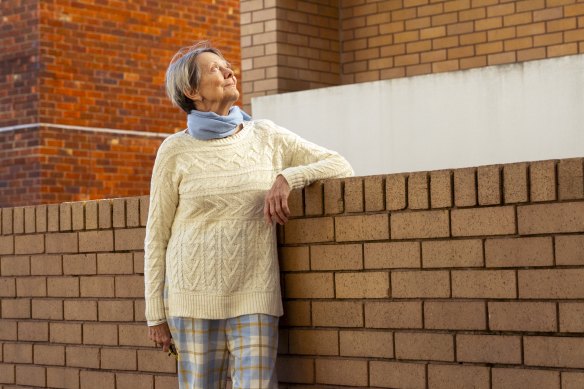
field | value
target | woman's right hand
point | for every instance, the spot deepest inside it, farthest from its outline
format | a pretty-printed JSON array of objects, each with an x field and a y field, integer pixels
[{"x": 161, "y": 336}]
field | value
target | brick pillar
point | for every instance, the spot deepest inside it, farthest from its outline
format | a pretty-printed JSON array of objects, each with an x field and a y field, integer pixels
[
  {"x": 288, "y": 46},
  {"x": 82, "y": 101}
]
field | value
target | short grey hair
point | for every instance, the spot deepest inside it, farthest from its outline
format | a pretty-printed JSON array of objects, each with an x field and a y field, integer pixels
[{"x": 183, "y": 74}]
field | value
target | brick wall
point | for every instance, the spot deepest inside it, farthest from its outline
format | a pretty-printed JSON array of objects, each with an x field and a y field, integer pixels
[
  {"x": 384, "y": 39},
  {"x": 98, "y": 66},
  {"x": 454, "y": 278}
]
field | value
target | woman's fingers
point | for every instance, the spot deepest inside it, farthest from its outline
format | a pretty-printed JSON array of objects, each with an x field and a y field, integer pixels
[{"x": 276, "y": 202}]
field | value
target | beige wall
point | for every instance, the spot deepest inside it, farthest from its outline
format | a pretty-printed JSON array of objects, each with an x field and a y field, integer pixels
[
  {"x": 470, "y": 276},
  {"x": 290, "y": 45}
]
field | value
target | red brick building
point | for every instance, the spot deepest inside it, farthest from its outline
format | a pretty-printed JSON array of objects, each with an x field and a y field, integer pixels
[{"x": 82, "y": 102}]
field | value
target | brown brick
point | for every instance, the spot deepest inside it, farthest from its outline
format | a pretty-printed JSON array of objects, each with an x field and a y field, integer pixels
[
  {"x": 414, "y": 284},
  {"x": 165, "y": 382},
  {"x": 77, "y": 216},
  {"x": 455, "y": 315},
  {"x": 313, "y": 196},
  {"x": 420, "y": 224},
  {"x": 543, "y": 180},
  {"x": 395, "y": 192},
  {"x": 452, "y": 253},
  {"x": 16, "y": 308},
  {"x": 354, "y": 194},
  {"x": 65, "y": 217},
  {"x": 144, "y": 205},
  {"x": 569, "y": 249},
  {"x": 295, "y": 370},
  {"x": 375, "y": 344},
  {"x": 133, "y": 335},
  {"x": 139, "y": 310},
  {"x": 309, "y": 230},
  {"x": 489, "y": 183},
  {"x": 314, "y": 342},
  {"x": 551, "y": 218},
  {"x": 138, "y": 262},
  {"x": 418, "y": 190},
  {"x": 362, "y": 285},
  {"x": 394, "y": 314},
  {"x": 104, "y": 213},
  {"x": 31, "y": 287},
  {"x": 483, "y": 284},
  {"x": 15, "y": 266},
  {"x": 294, "y": 258},
  {"x": 97, "y": 286},
  {"x": 515, "y": 252},
  {"x": 129, "y": 286},
  {"x": 483, "y": 221},
  {"x": 309, "y": 285},
  {"x": 515, "y": 183},
  {"x": 551, "y": 283},
  {"x": 392, "y": 255},
  {"x": 65, "y": 333},
  {"x": 7, "y": 287},
  {"x": 30, "y": 375},
  {"x": 441, "y": 189},
  {"x": 101, "y": 334},
  {"x": 337, "y": 314},
  {"x": 18, "y": 353},
  {"x": 82, "y": 356},
  {"x": 362, "y": 227},
  {"x": 79, "y": 264},
  {"x": 397, "y": 374},
  {"x": 341, "y": 372},
  {"x": 7, "y": 374},
  {"x": 64, "y": 242},
  {"x": 118, "y": 359},
  {"x": 129, "y": 239},
  {"x": 6, "y": 245},
  {"x": 96, "y": 379},
  {"x": 115, "y": 263},
  {"x": 333, "y": 197},
  {"x": 572, "y": 380},
  {"x": 570, "y": 179},
  {"x": 296, "y": 202},
  {"x": 488, "y": 349},
  {"x": 45, "y": 354},
  {"x": 296, "y": 314},
  {"x": 571, "y": 317},
  {"x": 133, "y": 212},
  {"x": 29, "y": 220},
  {"x": 445, "y": 66},
  {"x": 63, "y": 286},
  {"x": 473, "y": 62},
  {"x": 115, "y": 310},
  {"x": 67, "y": 378},
  {"x": 7, "y": 221},
  {"x": 8, "y": 330},
  {"x": 424, "y": 346},
  {"x": 85, "y": 310},
  {"x": 565, "y": 352},
  {"x": 18, "y": 220},
  {"x": 458, "y": 376},
  {"x": 131, "y": 381},
  {"x": 529, "y": 378},
  {"x": 119, "y": 213},
  {"x": 522, "y": 316},
  {"x": 33, "y": 331},
  {"x": 336, "y": 257},
  {"x": 91, "y": 220},
  {"x": 374, "y": 193},
  {"x": 41, "y": 218},
  {"x": 96, "y": 241},
  {"x": 47, "y": 309},
  {"x": 46, "y": 265},
  {"x": 465, "y": 193}
]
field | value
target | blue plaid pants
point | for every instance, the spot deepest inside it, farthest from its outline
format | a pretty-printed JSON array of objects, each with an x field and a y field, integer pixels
[{"x": 246, "y": 345}]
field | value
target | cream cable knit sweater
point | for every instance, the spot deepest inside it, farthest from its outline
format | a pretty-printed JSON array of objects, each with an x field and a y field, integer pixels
[{"x": 205, "y": 233}]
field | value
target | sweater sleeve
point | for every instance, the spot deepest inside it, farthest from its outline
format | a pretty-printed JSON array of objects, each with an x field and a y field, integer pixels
[
  {"x": 163, "y": 203},
  {"x": 310, "y": 162}
]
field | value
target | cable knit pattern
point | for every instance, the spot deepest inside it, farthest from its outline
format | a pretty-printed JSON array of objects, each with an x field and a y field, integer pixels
[{"x": 205, "y": 232}]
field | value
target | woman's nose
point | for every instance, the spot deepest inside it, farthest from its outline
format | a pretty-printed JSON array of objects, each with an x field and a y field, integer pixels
[{"x": 227, "y": 72}]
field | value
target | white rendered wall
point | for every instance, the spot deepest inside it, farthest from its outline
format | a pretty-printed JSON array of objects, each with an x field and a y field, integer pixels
[{"x": 498, "y": 114}]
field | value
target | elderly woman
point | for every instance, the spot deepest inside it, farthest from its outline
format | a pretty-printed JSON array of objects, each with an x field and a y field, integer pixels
[{"x": 217, "y": 190}]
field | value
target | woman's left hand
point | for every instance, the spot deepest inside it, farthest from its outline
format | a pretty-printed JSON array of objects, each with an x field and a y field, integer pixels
[{"x": 276, "y": 202}]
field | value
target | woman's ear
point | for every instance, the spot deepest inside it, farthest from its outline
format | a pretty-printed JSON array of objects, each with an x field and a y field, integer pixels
[{"x": 193, "y": 95}]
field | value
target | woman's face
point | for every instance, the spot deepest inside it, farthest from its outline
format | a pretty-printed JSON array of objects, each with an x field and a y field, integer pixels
[{"x": 217, "y": 86}]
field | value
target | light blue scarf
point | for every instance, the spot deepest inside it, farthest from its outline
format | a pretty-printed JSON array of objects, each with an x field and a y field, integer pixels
[{"x": 209, "y": 125}]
